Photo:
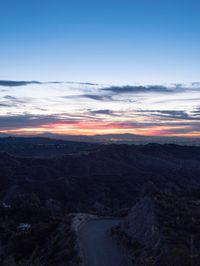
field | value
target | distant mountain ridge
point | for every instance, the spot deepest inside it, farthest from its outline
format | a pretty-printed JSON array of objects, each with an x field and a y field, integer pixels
[
  {"x": 42, "y": 147},
  {"x": 115, "y": 138}
]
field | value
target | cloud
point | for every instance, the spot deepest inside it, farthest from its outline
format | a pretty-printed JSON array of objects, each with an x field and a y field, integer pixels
[
  {"x": 8, "y": 122},
  {"x": 11, "y": 83},
  {"x": 5, "y": 105},
  {"x": 101, "y": 112},
  {"x": 196, "y": 84},
  {"x": 142, "y": 89},
  {"x": 20, "y": 121},
  {"x": 95, "y": 97},
  {"x": 81, "y": 83},
  {"x": 105, "y": 94},
  {"x": 93, "y": 108},
  {"x": 98, "y": 97},
  {"x": 54, "y": 123},
  {"x": 12, "y": 101},
  {"x": 174, "y": 114},
  {"x": 12, "y": 98},
  {"x": 181, "y": 130},
  {"x": 196, "y": 111},
  {"x": 169, "y": 114},
  {"x": 108, "y": 93}
]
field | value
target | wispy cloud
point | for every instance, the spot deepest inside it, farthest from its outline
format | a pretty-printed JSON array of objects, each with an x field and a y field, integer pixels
[
  {"x": 101, "y": 112},
  {"x": 98, "y": 97},
  {"x": 89, "y": 108},
  {"x": 10, "y": 83},
  {"x": 170, "y": 114},
  {"x": 143, "y": 89},
  {"x": 13, "y": 102},
  {"x": 29, "y": 120}
]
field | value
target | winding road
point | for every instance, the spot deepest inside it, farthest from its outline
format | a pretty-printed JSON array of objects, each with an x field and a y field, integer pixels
[{"x": 98, "y": 247}]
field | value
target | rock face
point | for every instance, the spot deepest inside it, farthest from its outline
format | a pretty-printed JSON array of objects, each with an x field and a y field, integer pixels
[
  {"x": 162, "y": 229},
  {"x": 136, "y": 224}
]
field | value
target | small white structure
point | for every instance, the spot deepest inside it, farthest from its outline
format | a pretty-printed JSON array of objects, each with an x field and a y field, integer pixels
[
  {"x": 5, "y": 205},
  {"x": 23, "y": 227}
]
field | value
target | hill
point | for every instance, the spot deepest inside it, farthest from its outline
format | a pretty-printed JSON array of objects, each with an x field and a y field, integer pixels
[{"x": 162, "y": 229}]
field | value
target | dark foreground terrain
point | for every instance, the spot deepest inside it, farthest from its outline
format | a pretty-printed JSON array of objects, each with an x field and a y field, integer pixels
[
  {"x": 161, "y": 229},
  {"x": 43, "y": 181}
]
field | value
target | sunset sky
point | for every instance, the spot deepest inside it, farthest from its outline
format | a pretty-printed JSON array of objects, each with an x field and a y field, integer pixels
[
  {"x": 99, "y": 67},
  {"x": 84, "y": 108}
]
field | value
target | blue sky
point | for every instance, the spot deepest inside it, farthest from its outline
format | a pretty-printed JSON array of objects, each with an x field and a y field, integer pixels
[
  {"x": 109, "y": 42},
  {"x": 139, "y": 59}
]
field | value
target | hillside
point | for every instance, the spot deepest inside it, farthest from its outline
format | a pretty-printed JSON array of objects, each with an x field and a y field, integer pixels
[
  {"x": 38, "y": 194},
  {"x": 42, "y": 147},
  {"x": 162, "y": 229},
  {"x": 111, "y": 175}
]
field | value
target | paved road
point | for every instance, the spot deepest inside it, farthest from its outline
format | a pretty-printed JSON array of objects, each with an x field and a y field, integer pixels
[{"x": 98, "y": 247}]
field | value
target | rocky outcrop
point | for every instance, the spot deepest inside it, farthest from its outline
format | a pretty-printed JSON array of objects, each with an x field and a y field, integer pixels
[{"x": 162, "y": 229}]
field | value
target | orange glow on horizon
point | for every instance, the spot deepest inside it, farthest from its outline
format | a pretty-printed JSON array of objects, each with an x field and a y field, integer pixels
[{"x": 99, "y": 128}]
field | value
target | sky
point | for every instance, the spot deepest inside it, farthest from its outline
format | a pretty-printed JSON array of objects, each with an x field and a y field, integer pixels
[
  {"x": 68, "y": 108},
  {"x": 109, "y": 66}
]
